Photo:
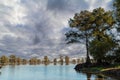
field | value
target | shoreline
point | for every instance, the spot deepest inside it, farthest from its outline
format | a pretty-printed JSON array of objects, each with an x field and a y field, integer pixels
[{"x": 111, "y": 71}]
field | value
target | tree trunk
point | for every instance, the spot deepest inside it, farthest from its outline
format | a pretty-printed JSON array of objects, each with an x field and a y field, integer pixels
[
  {"x": 87, "y": 49},
  {"x": 99, "y": 60}
]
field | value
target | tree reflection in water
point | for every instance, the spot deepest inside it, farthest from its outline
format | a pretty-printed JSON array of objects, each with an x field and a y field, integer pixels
[
  {"x": 98, "y": 77},
  {"x": 88, "y": 76}
]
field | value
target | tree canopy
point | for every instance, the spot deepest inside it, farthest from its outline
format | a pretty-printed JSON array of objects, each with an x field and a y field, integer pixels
[{"x": 93, "y": 27}]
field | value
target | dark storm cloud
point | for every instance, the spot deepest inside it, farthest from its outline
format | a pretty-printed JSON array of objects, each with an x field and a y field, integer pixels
[
  {"x": 36, "y": 40},
  {"x": 67, "y": 5},
  {"x": 57, "y": 4}
]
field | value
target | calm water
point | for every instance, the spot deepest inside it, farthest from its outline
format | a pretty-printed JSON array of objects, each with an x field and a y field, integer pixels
[{"x": 42, "y": 72}]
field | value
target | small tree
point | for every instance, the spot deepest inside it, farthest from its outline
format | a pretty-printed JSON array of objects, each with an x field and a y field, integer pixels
[
  {"x": 24, "y": 61},
  {"x": 66, "y": 60},
  {"x": 61, "y": 60},
  {"x": 46, "y": 59},
  {"x": 55, "y": 61},
  {"x": 18, "y": 60},
  {"x": 12, "y": 59},
  {"x": 4, "y": 60}
]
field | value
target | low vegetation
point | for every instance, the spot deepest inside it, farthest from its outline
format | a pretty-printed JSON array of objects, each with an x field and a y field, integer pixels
[{"x": 14, "y": 60}]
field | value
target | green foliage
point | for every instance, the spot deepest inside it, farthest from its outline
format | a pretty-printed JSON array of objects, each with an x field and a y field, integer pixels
[
  {"x": 117, "y": 55},
  {"x": 93, "y": 27},
  {"x": 103, "y": 22},
  {"x": 81, "y": 21},
  {"x": 3, "y": 59},
  {"x": 99, "y": 49},
  {"x": 91, "y": 24},
  {"x": 117, "y": 16},
  {"x": 117, "y": 9},
  {"x": 74, "y": 36},
  {"x": 117, "y": 13}
]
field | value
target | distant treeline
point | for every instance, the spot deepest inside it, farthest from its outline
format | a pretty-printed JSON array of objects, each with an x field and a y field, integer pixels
[{"x": 14, "y": 60}]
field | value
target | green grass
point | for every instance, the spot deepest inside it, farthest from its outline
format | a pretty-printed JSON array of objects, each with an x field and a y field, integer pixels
[
  {"x": 117, "y": 66},
  {"x": 100, "y": 69}
]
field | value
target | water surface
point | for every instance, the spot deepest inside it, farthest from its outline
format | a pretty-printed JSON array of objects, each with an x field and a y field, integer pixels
[{"x": 42, "y": 72}]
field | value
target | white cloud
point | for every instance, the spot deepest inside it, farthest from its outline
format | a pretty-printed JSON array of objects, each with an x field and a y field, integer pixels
[
  {"x": 14, "y": 11},
  {"x": 36, "y": 27}
]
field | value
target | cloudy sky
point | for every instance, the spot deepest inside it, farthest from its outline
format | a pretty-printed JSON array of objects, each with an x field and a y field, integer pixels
[{"x": 31, "y": 28}]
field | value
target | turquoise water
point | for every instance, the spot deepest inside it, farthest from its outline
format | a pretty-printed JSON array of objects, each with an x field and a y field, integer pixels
[{"x": 42, "y": 72}]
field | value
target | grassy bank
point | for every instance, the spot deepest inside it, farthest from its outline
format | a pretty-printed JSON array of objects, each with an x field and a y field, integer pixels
[
  {"x": 100, "y": 69},
  {"x": 111, "y": 71}
]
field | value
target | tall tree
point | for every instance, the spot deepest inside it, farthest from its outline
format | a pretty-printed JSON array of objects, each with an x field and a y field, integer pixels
[
  {"x": 91, "y": 25},
  {"x": 116, "y": 5},
  {"x": 82, "y": 22}
]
